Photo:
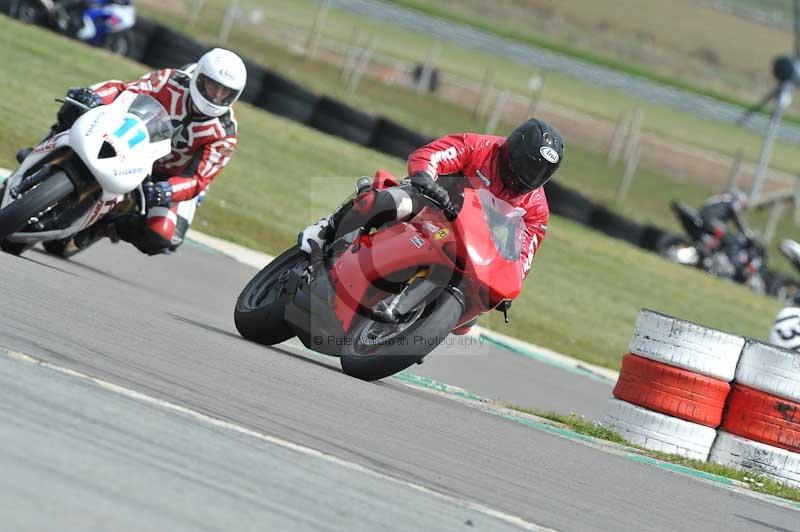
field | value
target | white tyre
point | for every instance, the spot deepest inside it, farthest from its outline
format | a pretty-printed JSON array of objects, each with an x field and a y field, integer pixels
[
  {"x": 785, "y": 331},
  {"x": 658, "y": 432},
  {"x": 686, "y": 345},
  {"x": 733, "y": 451},
  {"x": 770, "y": 369}
]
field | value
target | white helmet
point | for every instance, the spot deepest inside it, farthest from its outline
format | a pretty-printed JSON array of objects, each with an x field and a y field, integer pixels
[{"x": 217, "y": 81}]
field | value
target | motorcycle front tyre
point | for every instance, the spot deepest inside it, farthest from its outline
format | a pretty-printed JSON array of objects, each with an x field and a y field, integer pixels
[{"x": 16, "y": 215}]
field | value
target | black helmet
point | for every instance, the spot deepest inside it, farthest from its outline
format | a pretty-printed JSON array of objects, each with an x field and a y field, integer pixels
[{"x": 530, "y": 155}]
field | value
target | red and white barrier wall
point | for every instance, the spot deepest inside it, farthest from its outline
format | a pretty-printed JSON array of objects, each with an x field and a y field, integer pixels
[{"x": 705, "y": 394}]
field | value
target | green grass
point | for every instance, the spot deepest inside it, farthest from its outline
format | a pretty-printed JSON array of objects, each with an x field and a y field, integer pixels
[
  {"x": 422, "y": 113},
  {"x": 584, "y": 290},
  {"x": 753, "y": 480}
]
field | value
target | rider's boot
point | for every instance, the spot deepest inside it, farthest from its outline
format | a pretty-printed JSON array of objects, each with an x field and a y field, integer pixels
[
  {"x": 314, "y": 237},
  {"x": 92, "y": 234},
  {"x": 464, "y": 329}
]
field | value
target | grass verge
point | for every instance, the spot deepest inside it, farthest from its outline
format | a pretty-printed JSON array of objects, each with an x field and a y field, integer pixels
[{"x": 751, "y": 479}]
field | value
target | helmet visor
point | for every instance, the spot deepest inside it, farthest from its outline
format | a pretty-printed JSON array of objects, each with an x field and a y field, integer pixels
[
  {"x": 216, "y": 92},
  {"x": 529, "y": 175}
]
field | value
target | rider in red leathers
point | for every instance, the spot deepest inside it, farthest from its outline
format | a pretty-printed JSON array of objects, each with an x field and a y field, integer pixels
[
  {"x": 198, "y": 99},
  {"x": 513, "y": 169}
]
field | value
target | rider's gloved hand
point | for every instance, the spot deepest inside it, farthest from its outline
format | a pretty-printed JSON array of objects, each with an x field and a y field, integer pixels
[
  {"x": 85, "y": 96},
  {"x": 157, "y": 194},
  {"x": 425, "y": 185}
]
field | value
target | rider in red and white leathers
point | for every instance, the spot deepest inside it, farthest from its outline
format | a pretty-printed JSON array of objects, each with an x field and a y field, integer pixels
[
  {"x": 513, "y": 169},
  {"x": 198, "y": 99}
]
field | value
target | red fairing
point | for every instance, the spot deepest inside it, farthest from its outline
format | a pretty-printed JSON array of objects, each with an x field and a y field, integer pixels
[
  {"x": 465, "y": 247},
  {"x": 201, "y": 147},
  {"x": 475, "y": 157}
]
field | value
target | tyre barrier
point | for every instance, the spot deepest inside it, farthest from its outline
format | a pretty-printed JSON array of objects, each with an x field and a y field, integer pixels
[
  {"x": 286, "y": 98},
  {"x": 141, "y": 34},
  {"x": 734, "y": 451},
  {"x": 671, "y": 391},
  {"x": 393, "y": 139},
  {"x": 616, "y": 226},
  {"x": 709, "y": 395},
  {"x": 762, "y": 417},
  {"x": 568, "y": 203},
  {"x": 335, "y": 118},
  {"x": 168, "y": 49},
  {"x": 686, "y": 345},
  {"x": 673, "y": 384}
]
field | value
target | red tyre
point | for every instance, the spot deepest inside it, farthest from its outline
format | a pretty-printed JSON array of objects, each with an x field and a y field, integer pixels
[
  {"x": 672, "y": 391},
  {"x": 763, "y": 417}
]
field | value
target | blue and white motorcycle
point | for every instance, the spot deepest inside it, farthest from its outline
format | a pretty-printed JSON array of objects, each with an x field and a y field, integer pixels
[
  {"x": 103, "y": 23},
  {"x": 88, "y": 173}
]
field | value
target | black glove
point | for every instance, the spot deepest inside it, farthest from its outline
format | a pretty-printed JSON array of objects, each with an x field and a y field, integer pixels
[
  {"x": 85, "y": 96},
  {"x": 425, "y": 185},
  {"x": 158, "y": 194}
]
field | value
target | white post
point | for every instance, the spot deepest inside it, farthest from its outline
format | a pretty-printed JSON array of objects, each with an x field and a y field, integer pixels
[
  {"x": 618, "y": 137},
  {"x": 194, "y": 11},
  {"x": 424, "y": 80},
  {"x": 316, "y": 29},
  {"x": 736, "y": 171},
  {"x": 536, "y": 87},
  {"x": 497, "y": 113},
  {"x": 487, "y": 86},
  {"x": 361, "y": 67},
  {"x": 797, "y": 201},
  {"x": 351, "y": 54},
  {"x": 631, "y": 165},
  {"x": 231, "y": 14},
  {"x": 772, "y": 222}
]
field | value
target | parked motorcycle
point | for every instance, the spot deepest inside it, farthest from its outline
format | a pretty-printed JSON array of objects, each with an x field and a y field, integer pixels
[
  {"x": 382, "y": 301},
  {"x": 84, "y": 175},
  {"x": 104, "y": 23},
  {"x": 744, "y": 263}
]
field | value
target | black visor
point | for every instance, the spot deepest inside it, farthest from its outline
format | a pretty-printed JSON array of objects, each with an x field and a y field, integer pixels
[{"x": 215, "y": 92}]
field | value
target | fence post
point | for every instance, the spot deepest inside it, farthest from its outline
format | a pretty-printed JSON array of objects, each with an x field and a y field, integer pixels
[
  {"x": 231, "y": 14},
  {"x": 497, "y": 112},
  {"x": 487, "y": 85},
  {"x": 632, "y": 153},
  {"x": 319, "y": 24},
  {"x": 351, "y": 54},
  {"x": 797, "y": 201},
  {"x": 736, "y": 171},
  {"x": 424, "y": 80},
  {"x": 618, "y": 137},
  {"x": 772, "y": 222},
  {"x": 361, "y": 66},
  {"x": 194, "y": 12},
  {"x": 536, "y": 86}
]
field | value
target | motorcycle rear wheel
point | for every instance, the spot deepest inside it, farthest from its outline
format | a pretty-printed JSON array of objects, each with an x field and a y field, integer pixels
[
  {"x": 118, "y": 43},
  {"x": 367, "y": 359},
  {"x": 259, "y": 310},
  {"x": 16, "y": 215}
]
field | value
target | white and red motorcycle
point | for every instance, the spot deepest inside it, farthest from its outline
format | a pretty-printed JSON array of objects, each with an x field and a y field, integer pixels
[{"x": 74, "y": 179}]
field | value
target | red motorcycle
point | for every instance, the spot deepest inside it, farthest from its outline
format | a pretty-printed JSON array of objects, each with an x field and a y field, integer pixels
[{"x": 382, "y": 301}]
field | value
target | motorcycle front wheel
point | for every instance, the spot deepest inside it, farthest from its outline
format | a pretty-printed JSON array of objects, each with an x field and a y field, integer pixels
[
  {"x": 259, "y": 310},
  {"x": 376, "y": 350},
  {"x": 34, "y": 202}
]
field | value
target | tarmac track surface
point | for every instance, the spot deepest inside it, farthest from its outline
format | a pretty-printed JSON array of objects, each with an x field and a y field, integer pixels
[{"x": 163, "y": 326}]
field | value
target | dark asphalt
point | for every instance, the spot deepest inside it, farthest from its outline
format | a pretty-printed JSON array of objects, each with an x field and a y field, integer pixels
[{"x": 163, "y": 326}]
